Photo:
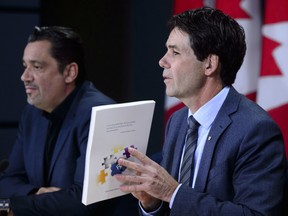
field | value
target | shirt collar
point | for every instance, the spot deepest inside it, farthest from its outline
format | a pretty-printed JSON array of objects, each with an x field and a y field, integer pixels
[{"x": 208, "y": 112}]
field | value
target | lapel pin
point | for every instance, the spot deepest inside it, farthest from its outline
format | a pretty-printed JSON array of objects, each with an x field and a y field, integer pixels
[{"x": 209, "y": 138}]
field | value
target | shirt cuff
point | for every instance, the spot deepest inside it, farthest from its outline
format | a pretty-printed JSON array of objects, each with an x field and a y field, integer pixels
[
  {"x": 173, "y": 196},
  {"x": 149, "y": 213}
]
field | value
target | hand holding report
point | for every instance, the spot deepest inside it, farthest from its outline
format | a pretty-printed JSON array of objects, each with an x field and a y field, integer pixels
[{"x": 113, "y": 128}]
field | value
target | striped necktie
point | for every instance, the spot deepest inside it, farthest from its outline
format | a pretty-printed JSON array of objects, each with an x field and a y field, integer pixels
[{"x": 190, "y": 146}]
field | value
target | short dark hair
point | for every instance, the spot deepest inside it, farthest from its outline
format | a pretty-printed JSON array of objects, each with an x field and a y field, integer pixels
[
  {"x": 67, "y": 47},
  {"x": 213, "y": 32}
]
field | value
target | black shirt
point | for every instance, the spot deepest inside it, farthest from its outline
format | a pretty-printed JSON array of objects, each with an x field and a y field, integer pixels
[{"x": 55, "y": 118}]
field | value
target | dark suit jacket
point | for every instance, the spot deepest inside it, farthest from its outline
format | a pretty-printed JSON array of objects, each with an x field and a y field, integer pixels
[
  {"x": 242, "y": 170},
  {"x": 25, "y": 171}
]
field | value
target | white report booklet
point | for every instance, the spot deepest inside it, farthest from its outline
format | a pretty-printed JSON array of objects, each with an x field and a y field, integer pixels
[{"x": 113, "y": 128}]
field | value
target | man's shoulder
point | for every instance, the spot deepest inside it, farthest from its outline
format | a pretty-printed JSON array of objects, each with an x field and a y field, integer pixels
[
  {"x": 88, "y": 96},
  {"x": 180, "y": 112},
  {"x": 178, "y": 117}
]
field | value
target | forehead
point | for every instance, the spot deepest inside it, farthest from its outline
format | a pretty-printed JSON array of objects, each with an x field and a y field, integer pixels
[
  {"x": 178, "y": 39},
  {"x": 37, "y": 50}
]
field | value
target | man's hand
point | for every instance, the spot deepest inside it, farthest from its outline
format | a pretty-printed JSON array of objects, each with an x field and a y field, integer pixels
[
  {"x": 151, "y": 183},
  {"x": 47, "y": 190}
]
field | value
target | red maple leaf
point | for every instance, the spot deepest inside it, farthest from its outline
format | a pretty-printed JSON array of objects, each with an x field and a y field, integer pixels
[{"x": 268, "y": 64}]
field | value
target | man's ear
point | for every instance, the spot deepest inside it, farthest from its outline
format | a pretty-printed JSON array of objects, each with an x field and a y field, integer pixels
[
  {"x": 71, "y": 72},
  {"x": 212, "y": 64}
]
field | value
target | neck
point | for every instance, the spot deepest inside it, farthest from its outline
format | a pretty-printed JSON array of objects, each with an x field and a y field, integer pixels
[{"x": 202, "y": 97}]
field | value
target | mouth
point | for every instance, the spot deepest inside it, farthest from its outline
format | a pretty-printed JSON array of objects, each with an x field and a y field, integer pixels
[
  {"x": 166, "y": 78},
  {"x": 30, "y": 88}
]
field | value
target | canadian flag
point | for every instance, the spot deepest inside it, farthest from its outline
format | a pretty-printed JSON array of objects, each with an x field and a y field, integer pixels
[{"x": 263, "y": 76}]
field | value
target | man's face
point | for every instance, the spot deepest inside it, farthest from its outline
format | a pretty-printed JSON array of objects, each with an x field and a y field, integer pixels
[
  {"x": 44, "y": 84},
  {"x": 183, "y": 74}
]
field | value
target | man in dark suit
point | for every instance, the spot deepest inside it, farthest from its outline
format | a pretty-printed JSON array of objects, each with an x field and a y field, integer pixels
[
  {"x": 46, "y": 166},
  {"x": 238, "y": 167}
]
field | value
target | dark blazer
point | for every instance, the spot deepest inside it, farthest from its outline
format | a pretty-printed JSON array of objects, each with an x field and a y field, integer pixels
[
  {"x": 25, "y": 172},
  {"x": 242, "y": 170}
]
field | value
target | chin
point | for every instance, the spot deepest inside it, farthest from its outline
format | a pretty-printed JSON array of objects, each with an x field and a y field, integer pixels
[
  {"x": 29, "y": 101},
  {"x": 32, "y": 102},
  {"x": 169, "y": 93}
]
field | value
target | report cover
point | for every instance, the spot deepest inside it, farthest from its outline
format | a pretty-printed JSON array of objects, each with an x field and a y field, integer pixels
[{"x": 113, "y": 128}]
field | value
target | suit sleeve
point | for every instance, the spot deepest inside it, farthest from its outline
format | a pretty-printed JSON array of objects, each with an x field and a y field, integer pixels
[
  {"x": 56, "y": 203},
  {"x": 14, "y": 181}
]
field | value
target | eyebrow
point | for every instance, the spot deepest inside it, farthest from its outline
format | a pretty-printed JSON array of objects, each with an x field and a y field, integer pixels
[
  {"x": 172, "y": 46},
  {"x": 33, "y": 61}
]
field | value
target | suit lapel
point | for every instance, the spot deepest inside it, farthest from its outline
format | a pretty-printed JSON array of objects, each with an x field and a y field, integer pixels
[
  {"x": 178, "y": 148},
  {"x": 61, "y": 141},
  {"x": 40, "y": 139},
  {"x": 176, "y": 130},
  {"x": 216, "y": 130},
  {"x": 221, "y": 122}
]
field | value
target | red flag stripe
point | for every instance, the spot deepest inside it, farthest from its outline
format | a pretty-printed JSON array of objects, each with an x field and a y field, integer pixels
[
  {"x": 276, "y": 11},
  {"x": 280, "y": 115},
  {"x": 272, "y": 79}
]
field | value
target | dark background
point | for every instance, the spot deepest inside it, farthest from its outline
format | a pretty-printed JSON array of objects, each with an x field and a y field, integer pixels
[{"x": 124, "y": 40}]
